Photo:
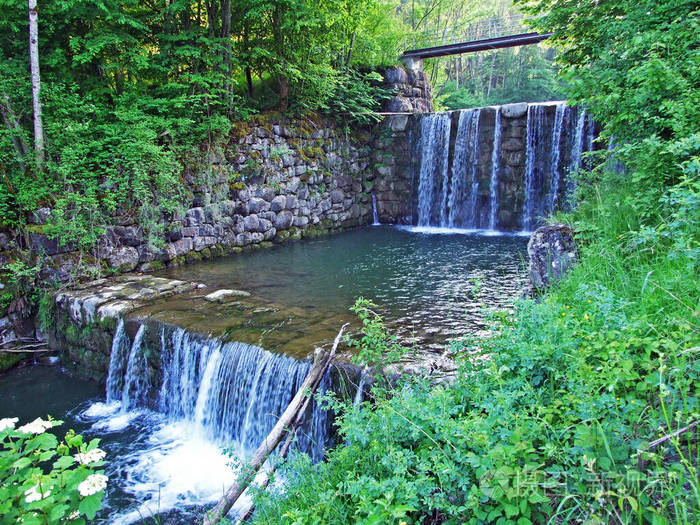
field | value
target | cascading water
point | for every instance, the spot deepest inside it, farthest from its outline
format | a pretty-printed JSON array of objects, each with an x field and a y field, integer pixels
[
  {"x": 117, "y": 364},
  {"x": 464, "y": 189},
  {"x": 552, "y": 137},
  {"x": 375, "y": 213},
  {"x": 360, "y": 388},
  {"x": 459, "y": 166},
  {"x": 535, "y": 114},
  {"x": 435, "y": 145},
  {"x": 555, "y": 172},
  {"x": 229, "y": 392},
  {"x": 577, "y": 149},
  {"x": 209, "y": 394},
  {"x": 135, "y": 378},
  {"x": 495, "y": 166}
]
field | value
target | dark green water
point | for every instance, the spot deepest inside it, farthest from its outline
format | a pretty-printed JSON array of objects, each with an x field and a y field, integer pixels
[{"x": 432, "y": 287}]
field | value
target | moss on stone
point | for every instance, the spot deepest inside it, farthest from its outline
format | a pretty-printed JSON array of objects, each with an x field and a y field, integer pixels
[
  {"x": 191, "y": 257},
  {"x": 282, "y": 236},
  {"x": 8, "y": 360}
]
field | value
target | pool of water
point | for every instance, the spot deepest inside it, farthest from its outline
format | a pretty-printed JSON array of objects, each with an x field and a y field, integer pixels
[{"x": 431, "y": 285}]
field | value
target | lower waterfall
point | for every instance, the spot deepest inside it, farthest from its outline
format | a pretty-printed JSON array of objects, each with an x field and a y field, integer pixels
[
  {"x": 231, "y": 393},
  {"x": 187, "y": 399}
]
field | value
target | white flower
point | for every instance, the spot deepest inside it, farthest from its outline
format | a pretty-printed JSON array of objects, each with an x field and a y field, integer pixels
[
  {"x": 8, "y": 422},
  {"x": 92, "y": 456},
  {"x": 92, "y": 485},
  {"x": 38, "y": 426},
  {"x": 74, "y": 515},
  {"x": 33, "y": 494}
]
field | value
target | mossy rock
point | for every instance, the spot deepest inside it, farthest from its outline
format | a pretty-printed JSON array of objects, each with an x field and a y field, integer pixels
[
  {"x": 191, "y": 257},
  {"x": 282, "y": 236},
  {"x": 8, "y": 360},
  {"x": 237, "y": 186}
]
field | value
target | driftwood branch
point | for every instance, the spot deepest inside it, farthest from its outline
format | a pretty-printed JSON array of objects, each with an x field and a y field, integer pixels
[
  {"x": 33, "y": 347},
  {"x": 677, "y": 433},
  {"x": 287, "y": 423}
]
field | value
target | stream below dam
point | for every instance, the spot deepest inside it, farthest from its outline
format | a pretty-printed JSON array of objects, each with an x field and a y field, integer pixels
[{"x": 225, "y": 377}]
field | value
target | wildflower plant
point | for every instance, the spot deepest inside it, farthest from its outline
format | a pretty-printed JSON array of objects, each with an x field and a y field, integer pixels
[{"x": 44, "y": 480}]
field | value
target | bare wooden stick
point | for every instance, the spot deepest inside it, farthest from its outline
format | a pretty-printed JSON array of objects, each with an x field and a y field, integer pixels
[
  {"x": 247, "y": 511},
  {"x": 677, "y": 433},
  {"x": 287, "y": 422}
]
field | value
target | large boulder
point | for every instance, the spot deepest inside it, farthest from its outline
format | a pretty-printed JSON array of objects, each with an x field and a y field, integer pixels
[
  {"x": 123, "y": 259},
  {"x": 552, "y": 252}
]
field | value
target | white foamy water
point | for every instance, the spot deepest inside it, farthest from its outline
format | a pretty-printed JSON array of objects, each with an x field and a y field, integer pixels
[
  {"x": 174, "y": 467},
  {"x": 437, "y": 230}
]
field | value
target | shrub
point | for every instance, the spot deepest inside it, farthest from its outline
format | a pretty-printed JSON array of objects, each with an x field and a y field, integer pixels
[{"x": 46, "y": 481}]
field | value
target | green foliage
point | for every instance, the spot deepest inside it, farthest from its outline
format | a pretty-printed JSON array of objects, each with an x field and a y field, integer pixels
[
  {"x": 43, "y": 480},
  {"x": 19, "y": 279},
  {"x": 132, "y": 92},
  {"x": 377, "y": 347},
  {"x": 512, "y": 75}
]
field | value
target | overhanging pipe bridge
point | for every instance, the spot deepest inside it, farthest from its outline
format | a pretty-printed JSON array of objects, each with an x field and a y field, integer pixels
[{"x": 493, "y": 33}]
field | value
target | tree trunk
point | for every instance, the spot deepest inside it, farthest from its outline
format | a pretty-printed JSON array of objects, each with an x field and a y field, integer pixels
[
  {"x": 36, "y": 81},
  {"x": 246, "y": 50},
  {"x": 288, "y": 422},
  {"x": 282, "y": 79},
  {"x": 226, "y": 36},
  {"x": 352, "y": 45},
  {"x": 10, "y": 120}
]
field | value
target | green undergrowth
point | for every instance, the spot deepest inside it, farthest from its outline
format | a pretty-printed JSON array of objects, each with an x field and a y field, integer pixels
[{"x": 552, "y": 419}]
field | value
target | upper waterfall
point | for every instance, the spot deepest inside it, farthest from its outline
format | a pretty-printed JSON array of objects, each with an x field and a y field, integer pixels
[{"x": 498, "y": 168}]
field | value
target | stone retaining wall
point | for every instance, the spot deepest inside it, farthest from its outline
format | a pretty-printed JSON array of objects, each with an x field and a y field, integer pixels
[{"x": 273, "y": 181}]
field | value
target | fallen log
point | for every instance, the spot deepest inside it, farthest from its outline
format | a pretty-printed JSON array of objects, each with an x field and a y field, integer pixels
[
  {"x": 29, "y": 349},
  {"x": 288, "y": 423}
]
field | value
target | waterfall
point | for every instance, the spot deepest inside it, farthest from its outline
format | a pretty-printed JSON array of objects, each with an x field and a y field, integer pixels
[
  {"x": 577, "y": 149},
  {"x": 229, "y": 392},
  {"x": 533, "y": 152},
  {"x": 135, "y": 378},
  {"x": 375, "y": 213},
  {"x": 495, "y": 165},
  {"x": 535, "y": 115},
  {"x": 435, "y": 146},
  {"x": 555, "y": 157},
  {"x": 360, "y": 387},
  {"x": 459, "y": 168},
  {"x": 117, "y": 363},
  {"x": 464, "y": 189},
  {"x": 465, "y": 185}
]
